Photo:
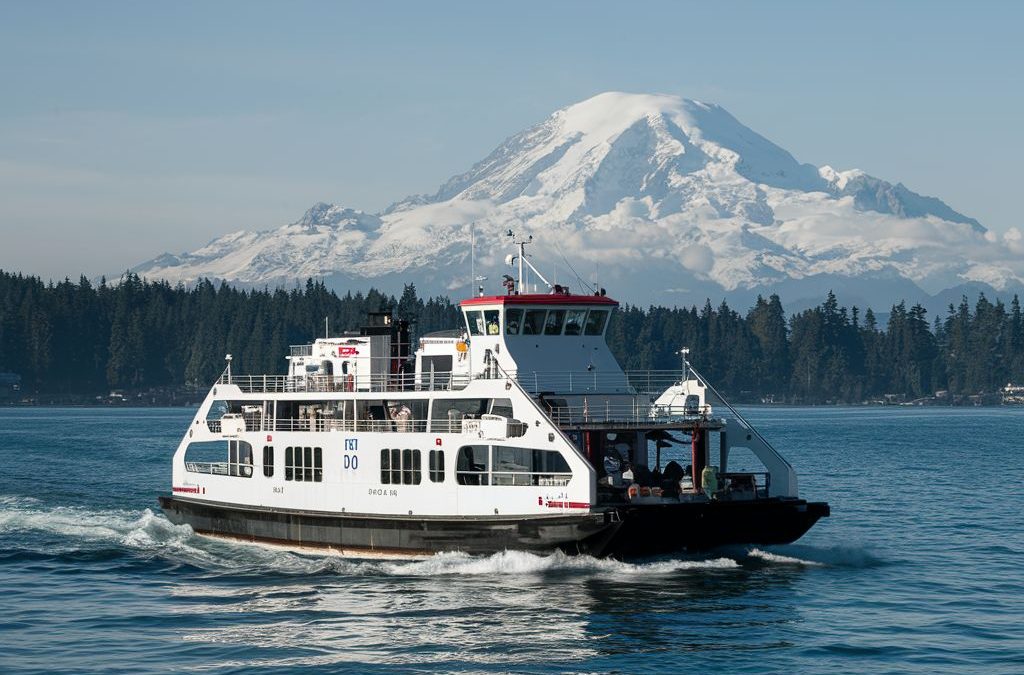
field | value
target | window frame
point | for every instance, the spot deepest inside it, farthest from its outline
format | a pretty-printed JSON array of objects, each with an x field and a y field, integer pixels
[
  {"x": 580, "y": 315},
  {"x": 514, "y": 316},
  {"x": 268, "y": 461},
  {"x": 436, "y": 468},
  {"x": 554, "y": 329},
  {"x": 476, "y": 327},
  {"x": 602, "y": 322}
]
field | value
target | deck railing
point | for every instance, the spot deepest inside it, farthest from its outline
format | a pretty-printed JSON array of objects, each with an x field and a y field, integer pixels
[
  {"x": 277, "y": 384},
  {"x": 652, "y": 382},
  {"x": 635, "y": 414}
]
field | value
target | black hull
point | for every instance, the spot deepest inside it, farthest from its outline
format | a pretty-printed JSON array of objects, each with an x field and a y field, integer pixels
[
  {"x": 627, "y": 531},
  {"x": 654, "y": 529}
]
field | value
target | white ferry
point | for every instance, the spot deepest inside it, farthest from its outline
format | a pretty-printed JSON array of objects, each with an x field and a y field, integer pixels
[{"x": 517, "y": 430}]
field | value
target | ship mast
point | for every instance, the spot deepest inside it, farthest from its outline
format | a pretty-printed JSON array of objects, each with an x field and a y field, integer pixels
[{"x": 520, "y": 243}]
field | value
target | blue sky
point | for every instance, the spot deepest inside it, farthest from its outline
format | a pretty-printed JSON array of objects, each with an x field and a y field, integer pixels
[{"x": 129, "y": 129}]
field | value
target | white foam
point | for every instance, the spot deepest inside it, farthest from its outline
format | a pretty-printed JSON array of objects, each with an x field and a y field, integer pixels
[
  {"x": 521, "y": 563},
  {"x": 152, "y": 534},
  {"x": 781, "y": 559}
]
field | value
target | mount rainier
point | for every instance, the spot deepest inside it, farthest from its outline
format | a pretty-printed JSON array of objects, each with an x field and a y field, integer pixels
[{"x": 660, "y": 199}]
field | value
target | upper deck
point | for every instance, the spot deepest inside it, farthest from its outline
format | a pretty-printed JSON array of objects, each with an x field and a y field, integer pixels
[{"x": 570, "y": 399}]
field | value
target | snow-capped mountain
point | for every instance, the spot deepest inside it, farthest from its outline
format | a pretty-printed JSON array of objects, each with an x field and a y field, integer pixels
[{"x": 658, "y": 198}]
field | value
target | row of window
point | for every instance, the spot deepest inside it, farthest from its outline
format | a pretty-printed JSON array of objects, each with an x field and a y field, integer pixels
[
  {"x": 538, "y": 321},
  {"x": 475, "y": 464}
]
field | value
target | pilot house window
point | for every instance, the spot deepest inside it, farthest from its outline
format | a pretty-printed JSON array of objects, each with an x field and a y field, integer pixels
[
  {"x": 596, "y": 321},
  {"x": 533, "y": 324},
  {"x": 475, "y": 322},
  {"x": 513, "y": 321},
  {"x": 553, "y": 326},
  {"x": 574, "y": 321}
]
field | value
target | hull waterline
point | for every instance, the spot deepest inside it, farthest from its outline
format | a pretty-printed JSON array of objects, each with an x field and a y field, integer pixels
[{"x": 627, "y": 531}]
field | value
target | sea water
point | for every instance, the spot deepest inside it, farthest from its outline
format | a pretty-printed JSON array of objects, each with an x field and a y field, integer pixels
[{"x": 919, "y": 569}]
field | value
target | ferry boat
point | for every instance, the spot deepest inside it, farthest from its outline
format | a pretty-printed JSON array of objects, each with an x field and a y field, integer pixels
[{"x": 517, "y": 430}]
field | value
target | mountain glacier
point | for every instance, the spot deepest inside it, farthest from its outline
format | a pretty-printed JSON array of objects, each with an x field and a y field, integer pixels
[{"x": 658, "y": 198}]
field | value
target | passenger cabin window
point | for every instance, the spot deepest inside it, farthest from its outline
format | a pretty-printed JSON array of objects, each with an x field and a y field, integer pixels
[
  {"x": 400, "y": 467},
  {"x": 304, "y": 464},
  {"x": 491, "y": 322},
  {"x": 513, "y": 321},
  {"x": 239, "y": 459},
  {"x": 574, "y": 321},
  {"x": 527, "y": 466},
  {"x": 268, "y": 461},
  {"x": 533, "y": 324},
  {"x": 475, "y": 322},
  {"x": 221, "y": 458},
  {"x": 596, "y": 321},
  {"x": 553, "y": 326},
  {"x": 436, "y": 460},
  {"x": 472, "y": 465}
]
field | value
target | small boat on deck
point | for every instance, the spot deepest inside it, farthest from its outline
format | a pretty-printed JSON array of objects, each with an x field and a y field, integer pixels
[{"x": 517, "y": 430}]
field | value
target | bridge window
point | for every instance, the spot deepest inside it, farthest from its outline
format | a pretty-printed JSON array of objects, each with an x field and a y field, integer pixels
[
  {"x": 513, "y": 321},
  {"x": 400, "y": 467},
  {"x": 491, "y": 322},
  {"x": 472, "y": 465},
  {"x": 475, "y": 322},
  {"x": 304, "y": 464},
  {"x": 533, "y": 324},
  {"x": 596, "y": 321},
  {"x": 574, "y": 321},
  {"x": 553, "y": 326}
]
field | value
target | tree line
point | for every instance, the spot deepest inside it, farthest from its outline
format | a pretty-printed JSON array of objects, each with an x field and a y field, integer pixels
[{"x": 79, "y": 338}]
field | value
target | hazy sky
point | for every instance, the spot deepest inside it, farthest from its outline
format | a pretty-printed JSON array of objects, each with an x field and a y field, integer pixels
[{"x": 130, "y": 129}]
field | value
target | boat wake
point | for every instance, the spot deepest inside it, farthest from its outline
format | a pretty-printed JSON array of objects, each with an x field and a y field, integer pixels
[
  {"x": 814, "y": 556},
  {"x": 520, "y": 562},
  {"x": 34, "y": 528},
  {"x": 782, "y": 559}
]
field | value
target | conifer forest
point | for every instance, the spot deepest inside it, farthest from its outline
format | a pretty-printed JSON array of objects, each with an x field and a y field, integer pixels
[{"x": 83, "y": 339}]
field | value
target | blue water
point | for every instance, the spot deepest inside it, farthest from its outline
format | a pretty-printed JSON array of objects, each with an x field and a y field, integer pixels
[{"x": 920, "y": 569}]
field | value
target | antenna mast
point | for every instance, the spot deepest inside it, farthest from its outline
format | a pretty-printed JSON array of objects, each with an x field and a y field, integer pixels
[{"x": 520, "y": 244}]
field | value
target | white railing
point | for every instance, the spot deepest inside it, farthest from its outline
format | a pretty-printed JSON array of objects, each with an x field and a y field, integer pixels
[
  {"x": 595, "y": 382},
  {"x": 277, "y": 384},
  {"x": 639, "y": 413},
  {"x": 441, "y": 425},
  {"x": 218, "y": 468},
  {"x": 324, "y": 424}
]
